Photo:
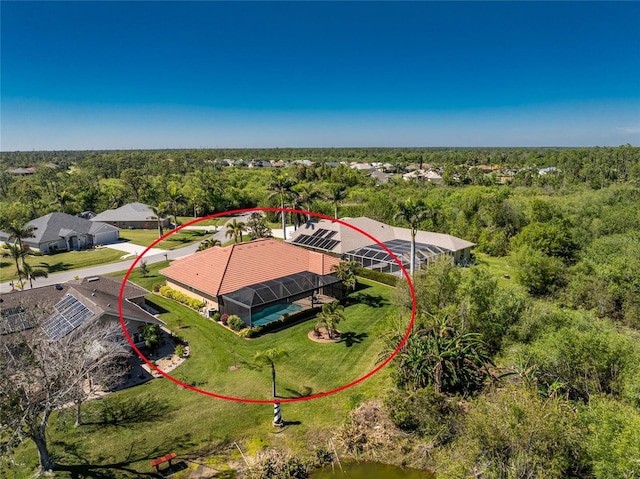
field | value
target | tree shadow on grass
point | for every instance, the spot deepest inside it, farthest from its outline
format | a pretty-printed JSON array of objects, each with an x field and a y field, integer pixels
[
  {"x": 349, "y": 338},
  {"x": 123, "y": 412},
  {"x": 293, "y": 394},
  {"x": 370, "y": 300},
  {"x": 55, "y": 267},
  {"x": 121, "y": 469}
]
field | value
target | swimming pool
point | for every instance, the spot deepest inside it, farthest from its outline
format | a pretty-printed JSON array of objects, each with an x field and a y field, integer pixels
[{"x": 273, "y": 313}]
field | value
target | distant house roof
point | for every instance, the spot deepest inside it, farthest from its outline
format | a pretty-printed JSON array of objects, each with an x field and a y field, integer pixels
[
  {"x": 22, "y": 171},
  {"x": 337, "y": 238},
  {"x": 222, "y": 270},
  {"x": 381, "y": 176},
  {"x": 90, "y": 297},
  {"x": 128, "y": 212},
  {"x": 54, "y": 226}
]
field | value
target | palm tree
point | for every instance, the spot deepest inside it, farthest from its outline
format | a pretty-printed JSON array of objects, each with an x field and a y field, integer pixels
[
  {"x": 282, "y": 187},
  {"x": 269, "y": 358},
  {"x": 159, "y": 213},
  {"x": 209, "y": 243},
  {"x": 32, "y": 273},
  {"x": 413, "y": 213},
  {"x": 64, "y": 198},
  {"x": 16, "y": 253},
  {"x": 330, "y": 316},
  {"x": 307, "y": 195},
  {"x": 346, "y": 271},
  {"x": 337, "y": 194},
  {"x": 20, "y": 231},
  {"x": 235, "y": 229},
  {"x": 174, "y": 200}
]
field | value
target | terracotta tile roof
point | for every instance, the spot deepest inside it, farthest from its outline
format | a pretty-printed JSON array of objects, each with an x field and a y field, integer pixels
[{"x": 223, "y": 270}]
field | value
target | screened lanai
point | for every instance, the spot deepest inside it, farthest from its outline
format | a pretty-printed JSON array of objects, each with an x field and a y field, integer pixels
[
  {"x": 275, "y": 295},
  {"x": 375, "y": 257}
]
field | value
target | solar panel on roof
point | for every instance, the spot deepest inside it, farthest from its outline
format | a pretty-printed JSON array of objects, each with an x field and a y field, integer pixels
[
  {"x": 331, "y": 234},
  {"x": 319, "y": 232},
  {"x": 71, "y": 313},
  {"x": 15, "y": 319},
  {"x": 332, "y": 244}
]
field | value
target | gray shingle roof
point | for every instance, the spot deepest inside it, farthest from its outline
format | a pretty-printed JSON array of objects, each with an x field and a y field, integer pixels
[{"x": 128, "y": 212}]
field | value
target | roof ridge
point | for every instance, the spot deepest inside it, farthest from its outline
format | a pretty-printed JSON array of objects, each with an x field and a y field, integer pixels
[{"x": 226, "y": 266}]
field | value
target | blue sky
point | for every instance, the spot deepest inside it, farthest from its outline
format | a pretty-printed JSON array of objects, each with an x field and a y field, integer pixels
[{"x": 113, "y": 75}]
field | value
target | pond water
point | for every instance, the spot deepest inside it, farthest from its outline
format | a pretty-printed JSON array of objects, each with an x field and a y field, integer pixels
[
  {"x": 369, "y": 470},
  {"x": 273, "y": 313}
]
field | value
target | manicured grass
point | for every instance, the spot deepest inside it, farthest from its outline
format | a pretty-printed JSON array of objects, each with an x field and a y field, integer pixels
[
  {"x": 176, "y": 240},
  {"x": 210, "y": 222},
  {"x": 159, "y": 417},
  {"x": 61, "y": 262},
  {"x": 149, "y": 280}
]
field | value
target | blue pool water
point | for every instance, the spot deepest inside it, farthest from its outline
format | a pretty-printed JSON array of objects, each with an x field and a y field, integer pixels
[{"x": 273, "y": 313}]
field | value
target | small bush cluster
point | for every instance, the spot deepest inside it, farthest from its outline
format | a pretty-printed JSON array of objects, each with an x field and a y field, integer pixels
[
  {"x": 156, "y": 287},
  {"x": 170, "y": 293},
  {"x": 224, "y": 318},
  {"x": 235, "y": 323},
  {"x": 180, "y": 351},
  {"x": 281, "y": 323},
  {"x": 278, "y": 465},
  {"x": 378, "y": 276},
  {"x": 216, "y": 316}
]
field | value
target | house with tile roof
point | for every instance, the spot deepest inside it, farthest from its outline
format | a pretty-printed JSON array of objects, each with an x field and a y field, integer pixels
[
  {"x": 350, "y": 244},
  {"x": 64, "y": 307},
  {"x": 131, "y": 216},
  {"x": 248, "y": 278},
  {"x": 61, "y": 232}
]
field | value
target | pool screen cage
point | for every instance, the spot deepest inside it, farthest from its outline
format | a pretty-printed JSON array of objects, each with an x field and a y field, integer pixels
[
  {"x": 378, "y": 259},
  {"x": 252, "y": 299}
]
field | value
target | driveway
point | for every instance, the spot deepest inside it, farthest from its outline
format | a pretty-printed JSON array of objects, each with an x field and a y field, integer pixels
[{"x": 132, "y": 250}]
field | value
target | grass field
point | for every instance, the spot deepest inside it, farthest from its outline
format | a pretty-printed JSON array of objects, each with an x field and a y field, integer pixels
[
  {"x": 151, "y": 420},
  {"x": 176, "y": 240},
  {"x": 61, "y": 262}
]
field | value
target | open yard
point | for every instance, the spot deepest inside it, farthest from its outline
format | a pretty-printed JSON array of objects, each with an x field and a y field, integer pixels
[
  {"x": 54, "y": 263},
  {"x": 128, "y": 429},
  {"x": 176, "y": 240}
]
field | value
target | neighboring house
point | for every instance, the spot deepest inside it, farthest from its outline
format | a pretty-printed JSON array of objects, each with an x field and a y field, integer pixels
[
  {"x": 429, "y": 175},
  {"x": 381, "y": 177},
  {"x": 350, "y": 244},
  {"x": 362, "y": 166},
  {"x": 547, "y": 170},
  {"x": 22, "y": 171},
  {"x": 247, "y": 278},
  {"x": 64, "y": 307},
  {"x": 60, "y": 232},
  {"x": 131, "y": 216}
]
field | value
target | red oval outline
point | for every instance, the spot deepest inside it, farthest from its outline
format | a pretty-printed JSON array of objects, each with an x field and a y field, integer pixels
[{"x": 268, "y": 401}]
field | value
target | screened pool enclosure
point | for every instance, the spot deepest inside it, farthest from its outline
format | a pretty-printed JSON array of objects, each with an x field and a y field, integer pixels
[
  {"x": 375, "y": 257},
  {"x": 249, "y": 302}
]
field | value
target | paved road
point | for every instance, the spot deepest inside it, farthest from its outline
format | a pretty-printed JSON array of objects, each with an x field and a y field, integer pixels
[{"x": 151, "y": 257}]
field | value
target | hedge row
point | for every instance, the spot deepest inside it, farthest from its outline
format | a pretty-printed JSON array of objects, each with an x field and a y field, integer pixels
[
  {"x": 170, "y": 293},
  {"x": 288, "y": 320},
  {"x": 384, "y": 278}
]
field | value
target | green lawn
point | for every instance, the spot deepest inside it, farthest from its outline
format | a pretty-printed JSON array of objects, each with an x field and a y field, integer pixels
[
  {"x": 159, "y": 417},
  {"x": 501, "y": 267},
  {"x": 210, "y": 222},
  {"x": 176, "y": 240},
  {"x": 61, "y": 262}
]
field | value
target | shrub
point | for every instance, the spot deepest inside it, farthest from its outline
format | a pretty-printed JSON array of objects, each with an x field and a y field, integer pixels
[
  {"x": 235, "y": 323},
  {"x": 216, "y": 316},
  {"x": 422, "y": 411},
  {"x": 180, "y": 351},
  {"x": 156, "y": 287},
  {"x": 378, "y": 276},
  {"x": 180, "y": 297},
  {"x": 514, "y": 433},
  {"x": 224, "y": 318}
]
